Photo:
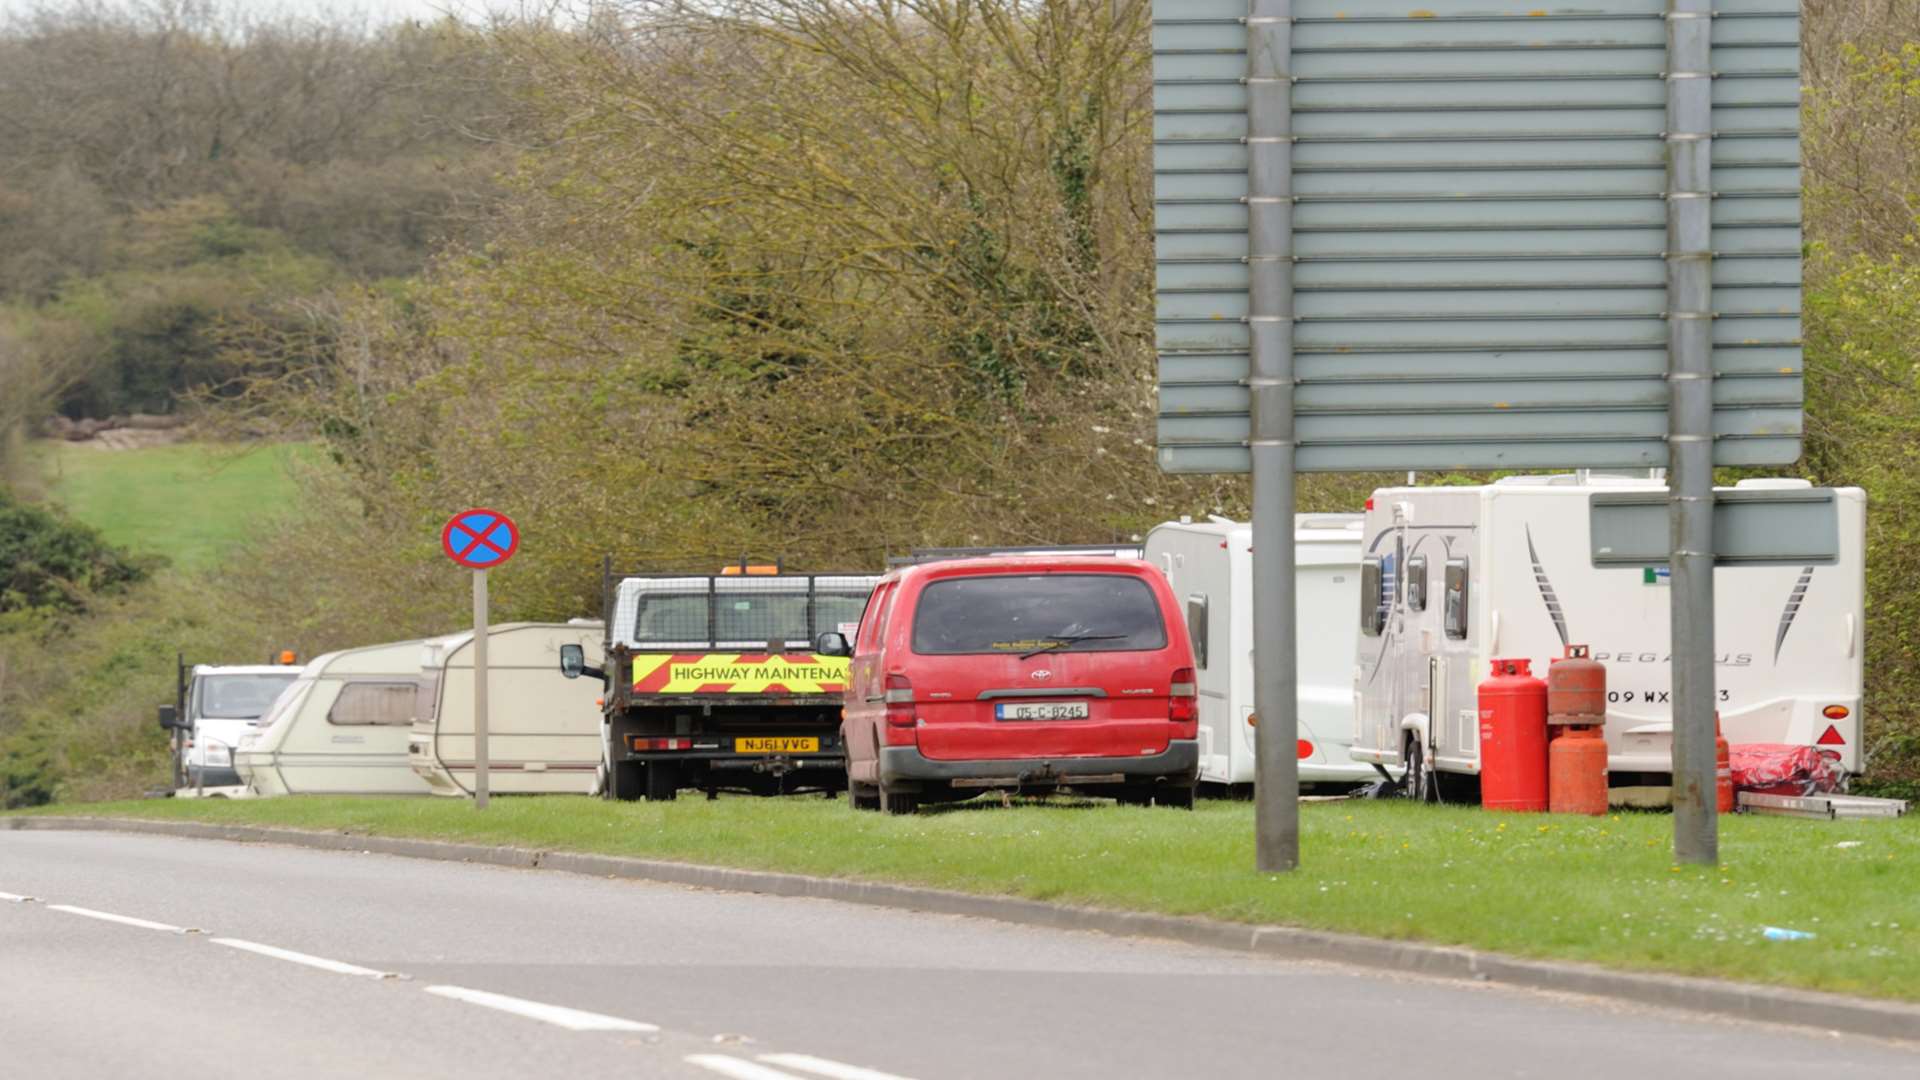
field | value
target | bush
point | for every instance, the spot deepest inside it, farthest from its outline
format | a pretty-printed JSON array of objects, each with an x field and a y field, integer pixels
[{"x": 51, "y": 564}]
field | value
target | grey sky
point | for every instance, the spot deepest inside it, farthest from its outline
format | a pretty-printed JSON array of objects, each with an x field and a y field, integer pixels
[{"x": 375, "y": 11}]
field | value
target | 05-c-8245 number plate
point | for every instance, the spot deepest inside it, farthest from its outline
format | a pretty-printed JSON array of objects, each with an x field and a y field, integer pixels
[{"x": 1040, "y": 710}]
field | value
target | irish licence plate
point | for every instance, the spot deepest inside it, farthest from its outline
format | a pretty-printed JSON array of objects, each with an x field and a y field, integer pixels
[
  {"x": 776, "y": 745},
  {"x": 1041, "y": 710}
]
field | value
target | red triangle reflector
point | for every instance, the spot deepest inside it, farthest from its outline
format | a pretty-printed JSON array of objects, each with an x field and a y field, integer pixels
[{"x": 1831, "y": 737}]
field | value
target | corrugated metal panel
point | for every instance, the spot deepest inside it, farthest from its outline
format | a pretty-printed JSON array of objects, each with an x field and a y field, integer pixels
[{"x": 1479, "y": 234}]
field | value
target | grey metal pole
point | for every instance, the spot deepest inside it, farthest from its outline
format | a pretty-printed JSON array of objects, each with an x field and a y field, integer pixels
[
  {"x": 1696, "y": 825},
  {"x": 480, "y": 690},
  {"x": 1270, "y": 325}
]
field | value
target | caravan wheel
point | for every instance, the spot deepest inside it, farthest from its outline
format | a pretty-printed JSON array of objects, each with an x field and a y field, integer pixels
[{"x": 1417, "y": 783}]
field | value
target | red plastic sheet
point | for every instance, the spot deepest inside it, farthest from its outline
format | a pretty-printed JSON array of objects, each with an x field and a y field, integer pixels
[{"x": 1781, "y": 769}]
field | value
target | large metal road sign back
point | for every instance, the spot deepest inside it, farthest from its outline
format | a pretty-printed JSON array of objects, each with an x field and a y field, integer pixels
[
  {"x": 1477, "y": 234},
  {"x": 1475, "y": 241}
]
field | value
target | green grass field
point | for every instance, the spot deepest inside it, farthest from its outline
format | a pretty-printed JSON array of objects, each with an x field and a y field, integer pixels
[
  {"x": 1599, "y": 890},
  {"x": 190, "y": 502}
]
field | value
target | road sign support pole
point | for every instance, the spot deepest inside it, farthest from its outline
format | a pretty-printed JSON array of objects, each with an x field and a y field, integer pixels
[
  {"x": 1690, "y": 424},
  {"x": 480, "y": 756},
  {"x": 1270, "y": 385}
]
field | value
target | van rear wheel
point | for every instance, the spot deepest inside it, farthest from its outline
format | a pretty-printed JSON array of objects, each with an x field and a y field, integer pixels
[
  {"x": 898, "y": 802},
  {"x": 1175, "y": 798}
]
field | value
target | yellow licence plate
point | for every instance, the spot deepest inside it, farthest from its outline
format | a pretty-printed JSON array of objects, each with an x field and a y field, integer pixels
[{"x": 776, "y": 746}]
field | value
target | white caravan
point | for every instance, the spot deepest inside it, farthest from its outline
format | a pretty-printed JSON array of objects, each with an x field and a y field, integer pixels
[
  {"x": 341, "y": 728},
  {"x": 1456, "y": 576},
  {"x": 543, "y": 729},
  {"x": 1210, "y": 564}
]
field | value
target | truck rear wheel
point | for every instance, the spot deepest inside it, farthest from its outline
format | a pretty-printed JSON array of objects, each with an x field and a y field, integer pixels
[
  {"x": 663, "y": 782},
  {"x": 623, "y": 780}
]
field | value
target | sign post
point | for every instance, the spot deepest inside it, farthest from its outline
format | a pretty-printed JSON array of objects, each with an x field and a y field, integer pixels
[
  {"x": 1455, "y": 239},
  {"x": 1276, "y": 766},
  {"x": 480, "y": 539}
]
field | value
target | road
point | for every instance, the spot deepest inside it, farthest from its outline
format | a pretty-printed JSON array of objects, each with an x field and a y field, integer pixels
[{"x": 252, "y": 961}]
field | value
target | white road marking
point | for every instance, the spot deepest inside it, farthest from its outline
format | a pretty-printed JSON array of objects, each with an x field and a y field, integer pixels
[
  {"x": 560, "y": 1015},
  {"x": 321, "y": 962},
  {"x": 124, "y": 920},
  {"x": 824, "y": 1067},
  {"x": 15, "y": 898},
  {"x": 738, "y": 1068}
]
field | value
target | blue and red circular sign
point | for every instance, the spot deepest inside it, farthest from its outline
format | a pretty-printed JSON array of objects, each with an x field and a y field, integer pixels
[{"x": 480, "y": 539}]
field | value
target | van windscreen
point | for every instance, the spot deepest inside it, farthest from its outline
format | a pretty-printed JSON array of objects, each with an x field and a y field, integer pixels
[
  {"x": 240, "y": 697},
  {"x": 1023, "y": 613}
]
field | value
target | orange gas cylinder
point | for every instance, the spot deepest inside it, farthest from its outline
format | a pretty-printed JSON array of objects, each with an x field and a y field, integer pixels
[
  {"x": 1513, "y": 738},
  {"x": 1577, "y": 770},
  {"x": 1576, "y": 687},
  {"x": 1722, "y": 769}
]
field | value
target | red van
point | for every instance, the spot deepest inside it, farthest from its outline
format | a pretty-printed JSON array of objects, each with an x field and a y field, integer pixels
[{"x": 1023, "y": 673}]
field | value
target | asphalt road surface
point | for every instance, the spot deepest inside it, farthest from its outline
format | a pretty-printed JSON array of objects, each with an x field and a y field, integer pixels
[{"x": 262, "y": 961}]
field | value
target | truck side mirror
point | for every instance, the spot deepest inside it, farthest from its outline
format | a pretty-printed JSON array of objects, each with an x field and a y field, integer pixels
[
  {"x": 169, "y": 717},
  {"x": 833, "y": 644},
  {"x": 573, "y": 661}
]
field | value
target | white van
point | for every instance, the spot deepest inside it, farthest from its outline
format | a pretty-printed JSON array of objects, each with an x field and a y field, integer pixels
[
  {"x": 341, "y": 728},
  {"x": 1455, "y": 576},
  {"x": 1210, "y": 564},
  {"x": 543, "y": 729},
  {"x": 219, "y": 704}
]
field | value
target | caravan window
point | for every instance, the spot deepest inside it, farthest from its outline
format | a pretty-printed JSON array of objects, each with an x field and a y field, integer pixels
[
  {"x": 1456, "y": 599},
  {"x": 1373, "y": 603},
  {"x": 366, "y": 703},
  {"x": 1197, "y": 629},
  {"x": 1417, "y": 583}
]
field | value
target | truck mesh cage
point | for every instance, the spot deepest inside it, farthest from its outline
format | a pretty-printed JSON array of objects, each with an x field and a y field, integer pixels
[{"x": 744, "y": 613}]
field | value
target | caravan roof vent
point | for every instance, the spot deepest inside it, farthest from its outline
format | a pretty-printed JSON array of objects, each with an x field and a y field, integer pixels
[{"x": 1772, "y": 483}]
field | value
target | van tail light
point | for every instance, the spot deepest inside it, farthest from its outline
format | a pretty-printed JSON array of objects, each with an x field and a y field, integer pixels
[
  {"x": 899, "y": 701},
  {"x": 1183, "y": 701}
]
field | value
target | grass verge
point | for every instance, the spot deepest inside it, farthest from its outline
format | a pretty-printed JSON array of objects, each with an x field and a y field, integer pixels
[
  {"x": 191, "y": 502},
  {"x": 1596, "y": 890}
]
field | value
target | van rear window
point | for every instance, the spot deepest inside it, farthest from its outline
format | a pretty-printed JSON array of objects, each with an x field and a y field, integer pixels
[{"x": 1022, "y": 613}]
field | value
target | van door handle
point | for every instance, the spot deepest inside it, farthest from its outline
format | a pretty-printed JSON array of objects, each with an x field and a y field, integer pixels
[
  {"x": 1851, "y": 645},
  {"x": 1493, "y": 644}
]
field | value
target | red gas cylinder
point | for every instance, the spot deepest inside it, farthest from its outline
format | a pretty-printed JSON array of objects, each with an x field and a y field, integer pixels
[
  {"x": 1576, "y": 688},
  {"x": 1577, "y": 747},
  {"x": 1513, "y": 738},
  {"x": 1722, "y": 769},
  {"x": 1577, "y": 770}
]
